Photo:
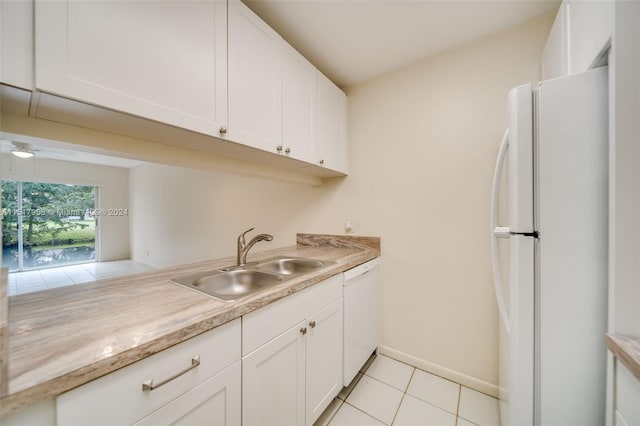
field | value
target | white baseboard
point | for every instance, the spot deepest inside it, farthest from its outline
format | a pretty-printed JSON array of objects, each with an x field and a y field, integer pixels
[{"x": 438, "y": 370}]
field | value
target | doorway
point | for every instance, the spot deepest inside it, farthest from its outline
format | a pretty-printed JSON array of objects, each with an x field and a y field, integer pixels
[{"x": 45, "y": 225}]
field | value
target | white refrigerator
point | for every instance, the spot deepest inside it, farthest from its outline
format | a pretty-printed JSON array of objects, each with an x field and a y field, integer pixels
[{"x": 550, "y": 257}]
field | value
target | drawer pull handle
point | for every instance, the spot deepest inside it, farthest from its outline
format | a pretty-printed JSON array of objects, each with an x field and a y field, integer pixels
[
  {"x": 312, "y": 324},
  {"x": 149, "y": 385}
]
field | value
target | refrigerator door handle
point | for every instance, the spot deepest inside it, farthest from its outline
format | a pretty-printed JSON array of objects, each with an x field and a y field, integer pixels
[{"x": 498, "y": 231}]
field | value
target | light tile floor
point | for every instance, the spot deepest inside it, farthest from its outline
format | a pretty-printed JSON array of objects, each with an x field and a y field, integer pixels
[
  {"x": 389, "y": 392},
  {"x": 42, "y": 279}
]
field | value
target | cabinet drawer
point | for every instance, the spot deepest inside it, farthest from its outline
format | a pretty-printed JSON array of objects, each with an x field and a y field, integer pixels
[
  {"x": 262, "y": 325},
  {"x": 118, "y": 398},
  {"x": 214, "y": 402}
]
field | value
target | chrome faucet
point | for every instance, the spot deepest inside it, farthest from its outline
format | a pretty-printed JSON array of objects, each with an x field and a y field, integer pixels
[{"x": 243, "y": 248}]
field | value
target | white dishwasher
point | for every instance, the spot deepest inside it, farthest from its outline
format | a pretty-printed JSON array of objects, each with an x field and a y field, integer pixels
[{"x": 361, "y": 316}]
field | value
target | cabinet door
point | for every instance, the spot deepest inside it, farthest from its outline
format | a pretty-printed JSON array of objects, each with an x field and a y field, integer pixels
[
  {"x": 273, "y": 381},
  {"x": 324, "y": 359},
  {"x": 217, "y": 401},
  {"x": 16, "y": 43},
  {"x": 298, "y": 105},
  {"x": 555, "y": 56},
  {"x": 255, "y": 80},
  {"x": 589, "y": 32},
  {"x": 162, "y": 60},
  {"x": 627, "y": 396},
  {"x": 120, "y": 397},
  {"x": 331, "y": 125}
]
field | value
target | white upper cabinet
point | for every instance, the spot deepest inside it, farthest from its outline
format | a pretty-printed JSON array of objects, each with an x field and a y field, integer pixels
[
  {"x": 555, "y": 56},
  {"x": 207, "y": 66},
  {"x": 589, "y": 32},
  {"x": 271, "y": 89},
  {"x": 298, "y": 106},
  {"x": 255, "y": 80},
  {"x": 16, "y": 43},
  {"x": 165, "y": 61},
  {"x": 331, "y": 122},
  {"x": 578, "y": 39}
]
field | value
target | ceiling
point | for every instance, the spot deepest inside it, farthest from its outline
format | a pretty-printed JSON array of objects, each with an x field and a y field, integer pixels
[
  {"x": 351, "y": 41},
  {"x": 53, "y": 150}
]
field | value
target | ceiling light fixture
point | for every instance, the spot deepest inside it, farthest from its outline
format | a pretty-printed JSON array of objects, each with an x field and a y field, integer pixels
[{"x": 22, "y": 150}]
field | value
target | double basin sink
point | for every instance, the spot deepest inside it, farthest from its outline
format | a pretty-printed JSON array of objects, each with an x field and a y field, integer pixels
[{"x": 228, "y": 284}]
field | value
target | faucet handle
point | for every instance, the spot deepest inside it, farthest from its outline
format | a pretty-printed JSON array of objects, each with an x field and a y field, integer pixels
[{"x": 241, "y": 236}]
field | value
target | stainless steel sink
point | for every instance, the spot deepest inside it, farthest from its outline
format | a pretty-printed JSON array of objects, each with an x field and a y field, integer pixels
[
  {"x": 229, "y": 285},
  {"x": 290, "y": 266}
]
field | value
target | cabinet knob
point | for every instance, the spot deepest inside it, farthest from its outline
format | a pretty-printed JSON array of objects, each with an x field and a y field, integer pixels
[
  {"x": 322, "y": 162},
  {"x": 312, "y": 324},
  {"x": 223, "y": 130},
  {"x": 279, "y": 148},
  {"x": 287, "y": 150},
  {"x": 303, "y": 330}
]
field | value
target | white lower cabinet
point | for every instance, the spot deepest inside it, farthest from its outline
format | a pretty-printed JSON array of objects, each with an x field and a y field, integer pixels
[
  {"x": 198, "y": 378},
  {"x": 292, "y": 378},
  {"x": 278, "y": 365},
  {"x": 214, "y": 402},
  {"x": 324, "y": 359},
  {"x": 273, "y": 381},
  {"x": 627, "y": 397}
]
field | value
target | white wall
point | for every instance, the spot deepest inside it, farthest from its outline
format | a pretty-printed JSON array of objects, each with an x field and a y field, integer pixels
[
  {"x": 113, "y": 190},
  {"x": 423, "y": 143}
]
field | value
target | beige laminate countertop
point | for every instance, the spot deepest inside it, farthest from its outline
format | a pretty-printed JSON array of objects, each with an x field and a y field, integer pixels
[
  {"x": 627, "y": 350},
  {"x": 62, "y": 338}
]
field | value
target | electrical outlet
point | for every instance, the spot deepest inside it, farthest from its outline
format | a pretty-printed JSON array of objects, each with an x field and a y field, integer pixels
[{"x": 348, "y": 228}]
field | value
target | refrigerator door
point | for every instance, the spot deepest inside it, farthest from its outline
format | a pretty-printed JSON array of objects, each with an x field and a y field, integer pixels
[
  {"x": 520, "y": 347},
  {"x": 515, "y": 294},
  {"x": 520, "y": 162},
  {"x": 572, "y": 183}
]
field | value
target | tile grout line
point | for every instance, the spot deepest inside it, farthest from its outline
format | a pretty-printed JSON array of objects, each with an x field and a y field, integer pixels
[
  {"x": 362, "y": 411},
  {"x": 369, "y": 414},
  {"x": 458, "y": 405},
  {"x": 418, "y": 398},
  {"x": 404, "y": 391},
  {"x": 404, "y": 394},
  {"x": 398, "y": 409}
]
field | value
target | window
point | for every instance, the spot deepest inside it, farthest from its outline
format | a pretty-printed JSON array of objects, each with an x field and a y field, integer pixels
[{"x": 46, "y": 225}]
